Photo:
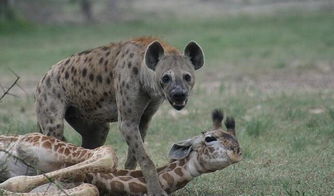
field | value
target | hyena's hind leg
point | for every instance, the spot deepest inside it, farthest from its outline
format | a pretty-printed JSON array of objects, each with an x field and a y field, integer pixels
[{"x": 50, "y": 115}]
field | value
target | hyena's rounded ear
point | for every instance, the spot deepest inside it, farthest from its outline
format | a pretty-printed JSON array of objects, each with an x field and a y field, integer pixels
[
  {"x": 195, "y": 54},
  {"x": 153, "y": 54}
]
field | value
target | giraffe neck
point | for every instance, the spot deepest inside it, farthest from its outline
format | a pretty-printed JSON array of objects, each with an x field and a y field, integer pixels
[
  {"x": 176, "y": 175},
  {"x": 195, "y": 167},
  {"x": 172, "y": 176}
]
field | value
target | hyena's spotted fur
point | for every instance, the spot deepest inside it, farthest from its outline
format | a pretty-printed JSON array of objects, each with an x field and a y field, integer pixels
[{"x": 124, "y": 82}]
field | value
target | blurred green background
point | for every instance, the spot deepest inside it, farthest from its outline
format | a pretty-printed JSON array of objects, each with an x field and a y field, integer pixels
[{"x": 270, "y": 64}]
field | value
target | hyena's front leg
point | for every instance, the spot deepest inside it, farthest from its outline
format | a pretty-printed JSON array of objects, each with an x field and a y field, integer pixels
[
  {"x": 145, "y": 119},
  {"x": 132, "y": 136},
  {"x": 129, "y": 126}
]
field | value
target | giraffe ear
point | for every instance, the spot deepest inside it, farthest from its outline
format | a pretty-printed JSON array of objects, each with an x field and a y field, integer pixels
[{"x": 181, "y": 149}]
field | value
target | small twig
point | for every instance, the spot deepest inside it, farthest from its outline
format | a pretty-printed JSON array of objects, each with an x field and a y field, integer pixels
[
  {"x": 4, "y": 89},
  {"x": 27, "y": 164},
  {"x": 11, "y": 86},
  {"x": 18, "y": 85}
]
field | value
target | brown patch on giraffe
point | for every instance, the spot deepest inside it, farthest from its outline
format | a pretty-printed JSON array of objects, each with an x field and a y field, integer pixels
[
  {"x": 211, "y": 149},
  {"x": 121, "y": 172},
  {"x": 83, "y": 153},
  {"x": 75, "y": 154},
  {"x": 67, "y": 151},
  {"x": 44, "y": 138},
  {"x": 181, "y": 184},
  {"x": 141, "y": 179},
  {"x": 106, "y": 176},
  {"x": 172, "y": 166},
  {"x": 58, "y": 145},
  {"x": 116, "y": 185},
  {"x": 47, "y": 145},
  {"x": 136, "y": 173},
  {"x": 136, "y": 187},
  {"x": 61, "y": 150},
  {"x": 100, "y": 185},
  {"x": 169, "y": 179},
  {"x": 179, "y": 172},
  {"x": 35, "y": 139},
  {"x": 182, "y": 162}
]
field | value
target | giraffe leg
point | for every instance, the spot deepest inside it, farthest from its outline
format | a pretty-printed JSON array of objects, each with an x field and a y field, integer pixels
[
  {"x": 93, "y": 134},
  {"x": 103, "y": 160},
  {"x": 36, "y": 152},
  {"x": 82, "y": 190}
]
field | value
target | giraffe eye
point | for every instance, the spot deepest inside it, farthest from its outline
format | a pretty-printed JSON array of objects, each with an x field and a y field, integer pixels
[{"x": 210, "y": 139}]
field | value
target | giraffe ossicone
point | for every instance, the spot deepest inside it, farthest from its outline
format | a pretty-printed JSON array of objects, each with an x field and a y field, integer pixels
[{"x": 213, "y": 150}]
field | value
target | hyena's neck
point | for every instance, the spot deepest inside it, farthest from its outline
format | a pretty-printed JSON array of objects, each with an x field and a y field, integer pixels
[{"x": 148, "y": 82}]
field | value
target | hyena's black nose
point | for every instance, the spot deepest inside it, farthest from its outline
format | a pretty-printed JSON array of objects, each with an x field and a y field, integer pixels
[{"x": 179, "y": 95}]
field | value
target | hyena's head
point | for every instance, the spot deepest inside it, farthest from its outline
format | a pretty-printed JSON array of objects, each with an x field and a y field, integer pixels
[{"x": 174, "y": 72}]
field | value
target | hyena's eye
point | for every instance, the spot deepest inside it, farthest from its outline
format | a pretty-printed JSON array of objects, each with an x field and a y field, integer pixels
[
  {"x": 166, "y": 78},
  {"x": 187, "y": 77}
]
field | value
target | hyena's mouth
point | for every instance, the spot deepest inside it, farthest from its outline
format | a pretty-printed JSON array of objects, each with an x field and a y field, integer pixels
[{"x": 178, "y": 105}]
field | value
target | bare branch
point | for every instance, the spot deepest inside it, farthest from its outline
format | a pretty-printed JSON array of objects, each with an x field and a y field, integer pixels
[
  {"x": 17, "y": 84},
  {"x": 11, "y": 86}
]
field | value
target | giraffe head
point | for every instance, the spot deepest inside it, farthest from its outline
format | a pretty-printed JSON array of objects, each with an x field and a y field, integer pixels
[{"x": 214, "y": 149}]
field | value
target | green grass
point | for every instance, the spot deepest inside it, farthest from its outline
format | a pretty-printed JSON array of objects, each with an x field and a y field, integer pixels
[{"x": 257, "y": 69}]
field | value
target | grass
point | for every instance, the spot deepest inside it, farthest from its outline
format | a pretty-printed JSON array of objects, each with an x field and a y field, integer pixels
[{"x": 272, "y": 73}]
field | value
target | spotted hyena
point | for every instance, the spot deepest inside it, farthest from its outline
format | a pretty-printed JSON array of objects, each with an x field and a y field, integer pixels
[{"x": 124, "y": 82}]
